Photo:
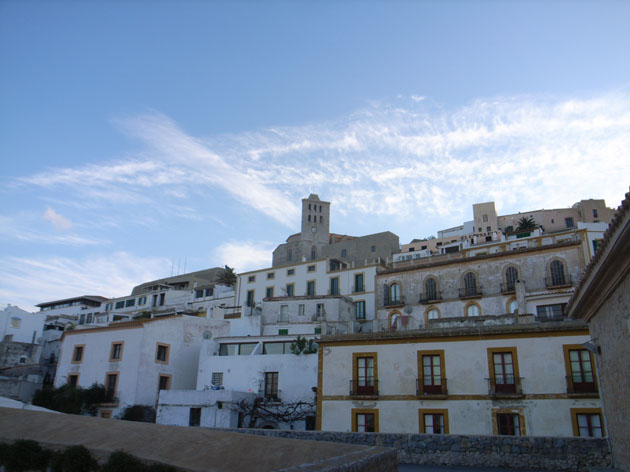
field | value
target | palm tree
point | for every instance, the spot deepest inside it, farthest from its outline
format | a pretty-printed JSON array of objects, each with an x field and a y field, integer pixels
[
  {"x": 526, "y": 223},
  {"x": 227, "y": 277}
]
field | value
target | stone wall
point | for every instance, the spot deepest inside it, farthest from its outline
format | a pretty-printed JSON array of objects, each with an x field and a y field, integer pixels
[
  {"x": 525, "y": 452},
  {"x": 611, "y": 330}
]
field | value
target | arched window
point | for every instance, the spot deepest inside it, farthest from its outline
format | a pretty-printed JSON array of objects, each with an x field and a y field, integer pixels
[
  {"x": 313, "y": 253},
  {"x": 473, "y": 310},
  {"x": 511, "y": 276},
  {"x": 557, "y": 273},
  {"x": 512, "y": 306},
  {"x": 394, "y": 321},
  {"x": 394, "y": 293},
  {"x": 432, "y": 313},
  {"x": 430, "y": 289},
  {"x": 470, "y": 284}
]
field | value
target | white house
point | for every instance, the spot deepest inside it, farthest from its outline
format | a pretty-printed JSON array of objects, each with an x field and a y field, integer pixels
[
  {"x": 20, "y": 326},
  {"x": 136, "y": 359},
  {"x": 501, "y": 376}
]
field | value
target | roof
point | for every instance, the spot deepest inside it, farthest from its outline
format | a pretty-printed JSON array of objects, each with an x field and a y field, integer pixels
[
  {"x": 613, "y": 250},
  {"x": 93, "y": 298},
  {"x": 451, "y": 332},
  {"x": 201, "y": 276}
]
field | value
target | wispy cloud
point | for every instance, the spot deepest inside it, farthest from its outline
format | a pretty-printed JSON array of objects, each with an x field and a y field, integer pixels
[
  {"x": 59, "y": 222},
  {"x": 28, "y": 229},
  {"x": 244, "y": 255},
  {"x": 28, "y": 281},
  {"x": 408, "y": 157}
]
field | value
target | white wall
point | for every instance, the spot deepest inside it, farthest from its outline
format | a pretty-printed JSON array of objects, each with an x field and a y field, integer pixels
[{"x": 27, "y": 324}]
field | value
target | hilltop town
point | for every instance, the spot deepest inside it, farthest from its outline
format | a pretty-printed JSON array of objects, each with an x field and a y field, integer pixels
[{"x": 479, "y": 331}]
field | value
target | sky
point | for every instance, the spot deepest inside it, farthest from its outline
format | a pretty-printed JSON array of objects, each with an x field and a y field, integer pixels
[{"x": 141, "y": 139}]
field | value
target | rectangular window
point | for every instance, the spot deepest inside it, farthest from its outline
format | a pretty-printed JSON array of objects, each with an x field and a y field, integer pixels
[
  {"x": 115, "y": 352},
  {"x": 334, "y": 286},
  {"x": 318, "y": 331},
  {"x": 228, "y": 350},
  {"x": 77, "y": 354},
  {"x": 290, "y": 290},
  {"x": 359, "y": 309},
  {"x": 164, "y": 382},
  {"x": 245, "y": 349},
  {"x": 488, "y": 229},
  {"x": 130, "y": 302},
  {"x": 277, "y": 348},
  {"x": 108, "y": 307},
  {"x": 344, "y": 253},
  {"x": 250, "y": 298},
  {"x": 198, "y": 293},
  {"x": 373, "y": 248},
  {"x": 433, "y": 421},
  {"x": 579, "y": 367},
  {"x": 217, "y": 378},
  {"x": 283, "y": 332},
  {"x": 568, "y": 222},
  {"x": 290, "y": 271},
  {"x": 485, "y": 218},
  {"x": 310, "y": 288},
  {"x": 269, "y": 292},
  {"x": 301, "y": 309},
  {"x": 142, "y": 301},
  {"x": 594, "y": 213},
  {"x": 271, "y": 275},
  {"x": 503, "y": 368},
  {"x": 358, "y": 283},
  {"x": 209, "y": 292},
  {"x": 73, "y": 380},
  {"x": 364, "y": 374},
  {"x": 82, "y": 319},
  {"x": 89, "y": 318},
  {"x": 271, "y": 385},
  {"x": 251, "y": 279},
  {"x": 550, "y": 312},
  {"x": 194, "y": 417},
  {"x": 162, "y": 353},
  {"x": 111, "y": 383},
  {"x": 120, "y": 304},
  {"x": 587, "y": 422},
  {"x": 320, "y": 310},
  {"x": 364, "y": 420},
  {"x": 432, "y": 379},
  {"x": 162, "y": 297},
  {"x": 508, "y": 424},
  {"x": 311, "y": 268}
]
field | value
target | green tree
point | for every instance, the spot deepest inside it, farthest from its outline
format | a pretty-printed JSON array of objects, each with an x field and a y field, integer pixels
[
  {"x": 526, "y": 223},
  {"x": 227, "y": 277},
  {"x": 302, "y": 345},
  {"x": 68, "y": 399}
]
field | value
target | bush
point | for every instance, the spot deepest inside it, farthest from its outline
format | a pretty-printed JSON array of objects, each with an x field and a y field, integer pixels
[
  {"x": 143, "y": 413},
  {"x": 74, "y": 459},
  {"x": 120, "y": 461},
  {"x": 24, "y": 454},
  {"x": 68, "y": 399}
]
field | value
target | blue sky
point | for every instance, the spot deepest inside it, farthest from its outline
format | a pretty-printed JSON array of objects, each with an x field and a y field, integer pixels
[{"x": 139, "y": 136}]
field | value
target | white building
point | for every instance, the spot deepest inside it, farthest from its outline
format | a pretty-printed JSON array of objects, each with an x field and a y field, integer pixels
[
  {"x": 17, "y": 325},
  {"x": 507, "y": 377},
  {"x": 136, "y": 359}
]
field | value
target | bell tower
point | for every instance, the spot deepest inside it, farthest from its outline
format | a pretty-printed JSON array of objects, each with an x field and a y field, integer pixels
[{"x": 315, "y": 220}]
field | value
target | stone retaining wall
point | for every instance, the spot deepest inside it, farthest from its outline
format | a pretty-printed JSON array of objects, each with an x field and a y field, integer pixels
[{"x": 525, "y": 452}]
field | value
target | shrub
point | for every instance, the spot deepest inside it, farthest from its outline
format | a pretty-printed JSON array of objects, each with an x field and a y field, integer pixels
[
  {"x": 24, "y": 454},
  {"x": 120, "y": 461},
  {"x": 143, "y": 413},
  {"x": 74, "y": 459},
  {"x": 68, "y": 399}
]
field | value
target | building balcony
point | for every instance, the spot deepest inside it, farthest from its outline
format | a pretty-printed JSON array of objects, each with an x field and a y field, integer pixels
[
  {"x": 578, "y": 389},
  {"x": 431, "y": 298},
  {"x": 393, "y": 302},
  {"x": 558, "y": 282},
  {"x": 364, "y": 388},
  {"x": 437, "y": 389},
  {"x": 358, "y": 289},
  {"x": 470, "y": 292},
  {"x": 505, "y": 387},
  {"x": 508, "y": 288}
]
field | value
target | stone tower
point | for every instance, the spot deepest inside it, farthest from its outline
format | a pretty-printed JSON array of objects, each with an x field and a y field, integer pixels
[{"x": 315, "y": 220}]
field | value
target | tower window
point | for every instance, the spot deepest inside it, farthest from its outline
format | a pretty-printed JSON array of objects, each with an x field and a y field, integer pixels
[
  {"x": 321, "y": 219},
  {"x": 309, "y": 217}
]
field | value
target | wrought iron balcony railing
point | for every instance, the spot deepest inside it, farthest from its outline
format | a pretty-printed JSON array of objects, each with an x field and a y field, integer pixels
[
  {"x": 428, "y": 298},
  {"x": 393, "y": 301},
  {"x": 470, "y": 292},
  {"x": 368, "y": 387},
  {"x": 507, "y": 385},
  {"x": 558, "y": 281},
  {"x": 436, "y": 386},
  {"x": 508, "y": 287}
]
